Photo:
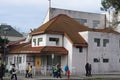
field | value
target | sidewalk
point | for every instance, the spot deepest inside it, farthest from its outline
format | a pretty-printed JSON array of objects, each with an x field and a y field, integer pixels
[{"x": 81, "y": 77}]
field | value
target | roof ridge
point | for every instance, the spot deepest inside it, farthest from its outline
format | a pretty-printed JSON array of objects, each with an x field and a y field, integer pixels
[{"x": 55, "y": 19}]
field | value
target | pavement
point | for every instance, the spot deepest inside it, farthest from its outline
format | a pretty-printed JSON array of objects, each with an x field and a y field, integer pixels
[{"x": 75, "y": 77}]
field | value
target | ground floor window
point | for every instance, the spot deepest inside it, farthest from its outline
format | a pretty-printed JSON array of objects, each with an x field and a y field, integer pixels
[{"x": 54, "y": 61}]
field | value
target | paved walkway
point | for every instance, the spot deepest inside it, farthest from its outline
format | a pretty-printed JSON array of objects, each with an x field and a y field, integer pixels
[{"x": 81, "y": 77}]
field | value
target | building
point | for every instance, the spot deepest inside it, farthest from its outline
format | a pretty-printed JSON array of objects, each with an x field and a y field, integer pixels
[
  {"x": 63, "y": 40},
  {"x": 10, "y": 33},
  {"x": 92, "y": 20}
]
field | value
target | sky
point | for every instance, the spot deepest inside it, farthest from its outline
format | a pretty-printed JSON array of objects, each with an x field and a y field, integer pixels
[{"x": 24, "y": 15}]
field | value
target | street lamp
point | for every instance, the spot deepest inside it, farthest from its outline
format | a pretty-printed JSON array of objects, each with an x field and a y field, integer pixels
[{"x": 4, "y": 51}]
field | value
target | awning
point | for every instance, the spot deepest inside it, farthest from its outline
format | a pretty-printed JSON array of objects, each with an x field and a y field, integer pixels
[{"x": 28, "y": 49}]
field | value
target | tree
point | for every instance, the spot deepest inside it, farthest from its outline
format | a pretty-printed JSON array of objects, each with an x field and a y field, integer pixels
[
  {"x": 110, "y": 4},
  {"x": 114, "y": 6}
]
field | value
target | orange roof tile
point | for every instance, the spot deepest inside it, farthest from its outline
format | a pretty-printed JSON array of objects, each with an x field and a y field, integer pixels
[
  {"x": 27, "y": 49},
  {"x": 62, "y": 24}
]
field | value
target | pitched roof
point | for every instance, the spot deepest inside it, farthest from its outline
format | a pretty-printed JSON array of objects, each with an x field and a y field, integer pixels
[
  {"x": 26, "y": 48},
  {"x": 10, "y": 31},
  {"x": 63, "y": 24}
]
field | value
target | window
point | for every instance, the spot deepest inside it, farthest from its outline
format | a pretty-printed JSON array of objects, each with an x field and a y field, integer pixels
[
  {"x": 34, "y": 41},
  {"x": 105, "y": 41},
  {"x": 97, "y": 41},
  {"x": 82, "y": 21},
  {"x": 80, "y": 48},
  {"x": 95, "y": 23},
  {"x": 96, "y": 60},
  {"x": 19, "y": 59},
  {"x": 39, "y": 40},
  {"x": 54, "y": 39},
  {"x": 30, "y": 58},
  {"x": 105, "y": 60}
]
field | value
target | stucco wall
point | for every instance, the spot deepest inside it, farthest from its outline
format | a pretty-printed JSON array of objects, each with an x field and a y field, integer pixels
[{"x": 79, "y": 15}]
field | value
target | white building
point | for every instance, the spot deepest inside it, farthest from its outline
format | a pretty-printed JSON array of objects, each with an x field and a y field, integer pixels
[
  {"x": 63, "y": 40},
  {"x": 92, "y": 20}
]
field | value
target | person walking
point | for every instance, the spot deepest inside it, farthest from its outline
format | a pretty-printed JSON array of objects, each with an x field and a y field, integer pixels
[
  {"x": 14, "y": 72},
  {"x": 66, "y": 68},
  {"x": 59, "y": 71},
  {"x": 87, "y": 69},
  {"x": 27, "y": 69},
  {"x": 2, "y": 69},
  {"x": 30, "y": 71},
  {"x": 55, "y": 71}
]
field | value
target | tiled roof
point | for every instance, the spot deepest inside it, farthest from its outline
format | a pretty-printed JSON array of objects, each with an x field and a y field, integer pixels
[
  {"x": 10, "y": 31},
  {"x": 26, "y": 48},
  {"x": 63, "y": 24}
]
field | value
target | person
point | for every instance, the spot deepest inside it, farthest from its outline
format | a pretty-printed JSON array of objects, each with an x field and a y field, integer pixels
[
  {"x": 59, "y": 71},
  {"x": 68, "y": 74},
  {"x": 66, "y": 68},
  {"x": 55, "y": 71},
  {"x": 27, "y": 69},
  {"x": 1, "y": 71},
  {"x": 30, "y": 71},
  {"x": 87, "y": 69},
  {"x": 14, "y": 72}
]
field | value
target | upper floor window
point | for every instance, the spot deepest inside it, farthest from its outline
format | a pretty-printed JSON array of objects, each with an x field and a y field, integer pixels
[
  {"x": 97, "y": 40},
  {"x": 39, "y": 40},
  {"x": 96, "y": 23},
  {"x": 82, "y": 21},
  {"x": 54, "y": 39},
  {"x": 105, "y": 60},
  {"x": 96, "y": 60},
  {"x": 80, "y": 48},
  {"x": 34, "y": 41},
  {"x": 105, "y": 41}
]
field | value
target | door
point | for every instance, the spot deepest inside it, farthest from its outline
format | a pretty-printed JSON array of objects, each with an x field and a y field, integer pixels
[{"x": 38, "y": 62}]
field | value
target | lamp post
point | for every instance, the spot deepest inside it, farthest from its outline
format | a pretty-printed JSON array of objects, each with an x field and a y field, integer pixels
[{"x": 4, "y": 51}]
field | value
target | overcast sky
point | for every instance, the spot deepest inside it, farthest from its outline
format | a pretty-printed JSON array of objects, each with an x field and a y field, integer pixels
[{"x": 29, "y": 14}]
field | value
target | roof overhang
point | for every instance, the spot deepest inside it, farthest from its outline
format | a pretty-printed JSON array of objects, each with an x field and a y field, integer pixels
[{"x": 28, "y": 49}]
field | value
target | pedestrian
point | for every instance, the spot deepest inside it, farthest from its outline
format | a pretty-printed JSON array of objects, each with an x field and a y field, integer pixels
[
  {"x": 30, "y": 71},
  {"x": 14, "y": 72},
  {"x": 59, "y": 71},
  {"x": 66, "y": 68},
  {"x": 2, "y": 70},
  {"x": 55, "y": 71},
  {"x": 68, "y": 74},
  {"x": 87, "y": 69},
  {"x": 27, "y": 69}
]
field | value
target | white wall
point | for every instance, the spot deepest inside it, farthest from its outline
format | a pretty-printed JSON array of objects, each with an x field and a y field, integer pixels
[
  {"x": 111, "y": 51},
  {"x": 79, "y": 60},
  {"x": 45, "y": 40},
  {"x": 43, "y": 43},
  {"x": 79, "y": 15},
  {"x": 11, "y": 38},
  {"x": 53, "y": 43},
  {"x": 69, "y": 47}
]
